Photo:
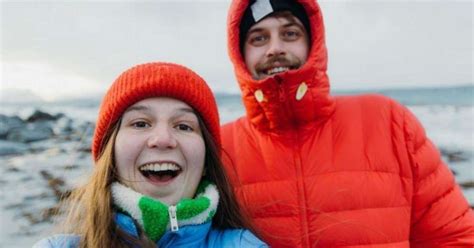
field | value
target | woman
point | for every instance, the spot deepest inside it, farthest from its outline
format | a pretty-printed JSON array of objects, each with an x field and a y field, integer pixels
[{"x": 158, "y": 179}]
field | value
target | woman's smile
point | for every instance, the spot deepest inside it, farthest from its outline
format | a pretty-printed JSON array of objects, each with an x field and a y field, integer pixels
[
  {"x": 159, "y": 149},
  {"x": 160, "y": 173}
]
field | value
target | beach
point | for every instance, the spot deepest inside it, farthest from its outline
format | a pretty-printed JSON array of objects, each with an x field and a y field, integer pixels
[{"x": 45, "y": 150}]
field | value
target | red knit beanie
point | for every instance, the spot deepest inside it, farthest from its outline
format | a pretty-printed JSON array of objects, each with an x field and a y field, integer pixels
[{"x": 155, "y": 80}]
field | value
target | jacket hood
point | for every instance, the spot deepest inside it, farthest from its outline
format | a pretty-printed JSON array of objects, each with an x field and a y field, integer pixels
[{"x": 287, "y": 99}]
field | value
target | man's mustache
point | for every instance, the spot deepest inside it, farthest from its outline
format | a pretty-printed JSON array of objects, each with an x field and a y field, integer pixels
[{"x": 281, "y": 60}]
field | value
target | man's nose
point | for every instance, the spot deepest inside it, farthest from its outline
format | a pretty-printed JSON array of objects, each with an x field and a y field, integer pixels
[
  {"x": 276, "y": 47},
  {"x": 162, "y": 137}
]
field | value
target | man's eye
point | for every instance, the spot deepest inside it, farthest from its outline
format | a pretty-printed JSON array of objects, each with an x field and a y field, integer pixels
[
  {"x": 257, "y": 40},
  {"x": 290, "y": 34},
  {"x": 184, "y": 127},
  {"x": 140, "y": 124}
]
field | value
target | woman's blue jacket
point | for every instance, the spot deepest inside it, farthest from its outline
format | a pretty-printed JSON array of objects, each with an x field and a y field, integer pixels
[{"x": 203, "y": 235}]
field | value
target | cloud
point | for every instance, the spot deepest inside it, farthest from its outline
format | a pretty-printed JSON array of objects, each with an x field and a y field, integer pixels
[
  {"x": 46, "y": 81},
  {"x": 370, "y": 43}
]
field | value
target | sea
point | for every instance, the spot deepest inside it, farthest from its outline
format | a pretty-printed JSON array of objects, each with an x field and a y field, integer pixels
[{"x": 447, "y": 114}]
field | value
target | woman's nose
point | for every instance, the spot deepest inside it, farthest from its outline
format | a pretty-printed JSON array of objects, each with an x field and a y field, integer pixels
[{"x": 162, "y": 138}]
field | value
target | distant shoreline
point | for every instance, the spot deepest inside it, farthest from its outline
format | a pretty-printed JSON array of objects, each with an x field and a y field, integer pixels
[{"x": 21, "y": 96}]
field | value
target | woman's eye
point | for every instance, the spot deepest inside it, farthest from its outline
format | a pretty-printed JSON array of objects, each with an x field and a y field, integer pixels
[
  {"x": 140, "y": 124},
  {"x": 184, "y": 127}
]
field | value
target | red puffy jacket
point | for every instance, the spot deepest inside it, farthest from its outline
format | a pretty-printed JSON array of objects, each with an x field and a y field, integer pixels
[{"x": 316, "y": 170}]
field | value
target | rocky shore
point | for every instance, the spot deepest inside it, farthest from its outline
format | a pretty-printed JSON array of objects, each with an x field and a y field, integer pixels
[
  {"x": 18, "y": 136},
  {"x": 44, "y": 156}
]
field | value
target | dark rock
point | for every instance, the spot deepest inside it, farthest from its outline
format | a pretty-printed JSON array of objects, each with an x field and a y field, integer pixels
[
  {"x": 85, "y": 129},
  {"x": 55, "y": 184},
  {"x": 50, "y": 147},
  {"x": 81, "y": 131},
  {"x": 45, "y": 215},
  {"x": 454, "y": 156},
  {"x": 34, "y": 197},
  {"x": 64, "y": 126},
  {"x": 59, "y": 116},
  {"x": 7, "y": 123},
  {"x": 86, "y": 149},
  {"x": 31, "y": 133},
  {"x": 16, "y": 206},
  {"x": 71, "y": 167},
  {"x": 12, "y": 148},
  {"x": 457, "y": 157},
  {"x": 85, "y": 145},
  {"x": 31, "y": 218},
  {"x": 48, "y": 213},
  {"x": 64, "y": 194},
  {"x": 40, "y": 116},
  {"x": 467, "y": 185},
  {"x": 84, "y": 155},
  {"x": 443, "y": 151},
  {"x": 13, "y": 169},
  {"x": 25, "y": 178},
  {"x": 46, "y": 175},
  {"x": 52, "y": 181}
]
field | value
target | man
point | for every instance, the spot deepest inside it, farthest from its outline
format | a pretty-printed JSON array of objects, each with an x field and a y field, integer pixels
[{"x": 316, "y": 170}]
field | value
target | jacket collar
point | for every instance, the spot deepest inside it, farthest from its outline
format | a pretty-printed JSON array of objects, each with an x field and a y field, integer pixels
[
  {"x": 289, "y": 99},
  {"x": 156, "y": 217},
  {"x": 190, "y": 234}
]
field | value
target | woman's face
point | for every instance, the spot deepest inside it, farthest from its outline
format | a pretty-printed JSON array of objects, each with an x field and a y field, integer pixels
[{"x": 159, "y": 149}]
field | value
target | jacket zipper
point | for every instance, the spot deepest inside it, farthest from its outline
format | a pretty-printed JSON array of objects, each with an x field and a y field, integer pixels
[
  {"x": 298, "y": 165},
  {"x": 173, "y": 218},
  {"x": 281, "y": 92},
  {"x": 302, "y": 192}
]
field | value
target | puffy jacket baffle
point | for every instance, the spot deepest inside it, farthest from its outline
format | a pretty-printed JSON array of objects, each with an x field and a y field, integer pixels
[{"x": 314, "y": 170}]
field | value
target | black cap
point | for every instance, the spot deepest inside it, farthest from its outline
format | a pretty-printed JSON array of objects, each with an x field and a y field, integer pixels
[{"x": 257, "y": 10}]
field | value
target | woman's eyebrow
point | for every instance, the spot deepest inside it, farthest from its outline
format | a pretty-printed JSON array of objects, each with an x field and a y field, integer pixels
[
  {"x": 186, "y": 110},
  {"x": 140, "y": 108}
]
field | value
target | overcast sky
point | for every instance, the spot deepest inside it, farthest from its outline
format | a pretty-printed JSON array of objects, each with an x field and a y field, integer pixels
[{"x": 68, "y": 48}]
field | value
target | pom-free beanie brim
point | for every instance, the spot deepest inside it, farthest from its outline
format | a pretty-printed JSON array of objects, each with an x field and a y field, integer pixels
[{"x": 156, "y": 79}]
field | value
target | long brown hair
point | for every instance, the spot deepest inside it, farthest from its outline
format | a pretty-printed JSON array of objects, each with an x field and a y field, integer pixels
[
  {"x": 90, "y": 207},
  {"x": 228, "y": 214}
]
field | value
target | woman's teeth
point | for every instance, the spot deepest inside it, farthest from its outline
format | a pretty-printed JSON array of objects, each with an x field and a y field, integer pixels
[
  {"x": 160, "y": 167},
  {"x": 160, "y": 172},
  {"x": 277, "y": 70}
]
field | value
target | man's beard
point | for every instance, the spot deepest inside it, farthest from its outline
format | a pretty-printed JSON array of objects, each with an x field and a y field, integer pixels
[{"x": 291, "y": 62}]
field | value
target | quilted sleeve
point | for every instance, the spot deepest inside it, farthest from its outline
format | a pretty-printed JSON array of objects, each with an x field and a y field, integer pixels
[{"x": 441, "y": 216}]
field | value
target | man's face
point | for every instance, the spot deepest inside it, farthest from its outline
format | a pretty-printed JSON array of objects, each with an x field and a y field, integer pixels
[{"x": 275, "y": 45}]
